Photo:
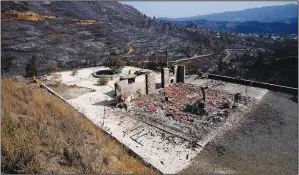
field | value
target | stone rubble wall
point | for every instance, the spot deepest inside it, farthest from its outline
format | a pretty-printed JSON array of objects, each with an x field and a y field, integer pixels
[
  {"x": 181, "y": 74},
  {"x": 165, "y": 77},
  {"x": 150, "y": 82},
  {"x": 125, "y": 89}
]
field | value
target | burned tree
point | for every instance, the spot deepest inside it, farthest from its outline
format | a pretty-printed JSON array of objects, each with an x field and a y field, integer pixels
[{"x": 31, "y": 69}]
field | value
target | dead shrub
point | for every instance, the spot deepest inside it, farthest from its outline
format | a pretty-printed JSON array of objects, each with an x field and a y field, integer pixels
[
  {"x": 74, "y": 72},
  {"x": 102, "y": 81}
]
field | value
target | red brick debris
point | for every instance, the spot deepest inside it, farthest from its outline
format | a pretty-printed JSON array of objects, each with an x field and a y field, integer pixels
[
  {"x": 151, "y": 108},
  {"x": 178, "y": 96},
  {"x": 141, "y": 102},
  {"x": 215, "y": 98}
]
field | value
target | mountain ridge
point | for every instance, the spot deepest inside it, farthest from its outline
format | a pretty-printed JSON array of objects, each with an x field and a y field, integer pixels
[{"x": 261, "y": 14}]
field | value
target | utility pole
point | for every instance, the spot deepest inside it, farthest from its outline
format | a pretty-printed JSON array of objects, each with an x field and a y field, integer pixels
[
  {"x": 241, "y": 66},
  {"x": 166, "y": 58}
]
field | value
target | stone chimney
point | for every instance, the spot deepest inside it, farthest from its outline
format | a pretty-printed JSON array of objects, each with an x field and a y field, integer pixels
[
  {"x": 181, "y": 74},
  {"x": 165, "y": 77},
  {"x": 150, "y": 82}
]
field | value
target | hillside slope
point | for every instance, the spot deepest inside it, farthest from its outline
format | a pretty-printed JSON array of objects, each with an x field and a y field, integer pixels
[
  {"x": 42, "y": 134},
  {"x": 84, "y": 33}
]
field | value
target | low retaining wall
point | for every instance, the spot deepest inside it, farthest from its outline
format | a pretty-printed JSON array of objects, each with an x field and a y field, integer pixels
[
  {"x": 108, "y": 77},
  {"x": 269, "y": 86},
  {"x": 52, "y": 92}
]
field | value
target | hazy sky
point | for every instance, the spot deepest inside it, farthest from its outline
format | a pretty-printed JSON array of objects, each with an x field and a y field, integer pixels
[{"x": 176, "y": 9}]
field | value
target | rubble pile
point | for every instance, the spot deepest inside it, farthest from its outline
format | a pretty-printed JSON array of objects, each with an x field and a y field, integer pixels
[
  {"x": 180, "y": 100},
  {"x": 181, "y": 94},
  {"x": 216, "y": 98},
  {"x": 171, "y": 101},
  {"x": 188, "y": 109}
]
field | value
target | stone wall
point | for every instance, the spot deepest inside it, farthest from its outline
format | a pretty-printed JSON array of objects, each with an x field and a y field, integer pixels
[
  {"x": 145, "y": 83},
  {"x": 273, "y": 87},
  {"x": 139, "y": 85},
  {"x": 127, "y": 88},
  {"x": 181, "y": 74},
  {"x": 164, "y": 77},
  {"x": 172, "y": 75},
  {"x": 150, "y": 82},
  {"x": 108, "y": 77}
]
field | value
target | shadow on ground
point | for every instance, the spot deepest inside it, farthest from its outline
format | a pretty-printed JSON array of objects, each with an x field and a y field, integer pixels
[
  {"x": 105, "y": 103},
  {"x": 265, "y": 142},
  {"x": 111, "y": 94}
]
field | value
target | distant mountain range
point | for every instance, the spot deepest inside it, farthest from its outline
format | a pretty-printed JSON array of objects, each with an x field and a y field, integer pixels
[
  {"x": 268, "y": 20},
  {"x": 266, "y": 14}
]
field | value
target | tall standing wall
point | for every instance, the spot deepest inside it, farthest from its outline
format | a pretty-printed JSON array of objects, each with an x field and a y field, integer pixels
[
  {"x": 150, "y": 82},
  {"x": 165, "y": 77},
  {"x": 181, "y": 74}
]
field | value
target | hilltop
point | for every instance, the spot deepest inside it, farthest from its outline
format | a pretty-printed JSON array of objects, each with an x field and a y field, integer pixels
[{"x": 281, "y": 19}]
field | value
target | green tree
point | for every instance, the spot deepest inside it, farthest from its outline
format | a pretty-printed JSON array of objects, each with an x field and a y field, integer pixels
[
  {"x": 191, "y": 68},
  {"x": 31, "y": 69},
  {"x": 114, "y": 63},
  {"x": 5, "y": 63}
]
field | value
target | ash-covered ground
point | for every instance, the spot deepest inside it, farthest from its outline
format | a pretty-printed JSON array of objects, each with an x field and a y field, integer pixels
[
  {"x": 265, "y": 141},
  {"x": 177, "y": 109}
]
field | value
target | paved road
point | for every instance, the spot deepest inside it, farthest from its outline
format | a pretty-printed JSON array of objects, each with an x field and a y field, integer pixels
[
  {"x": 200, "y": 56},
  {"x": 193, "y": 57},
  {"x": 266, "y": 141}
]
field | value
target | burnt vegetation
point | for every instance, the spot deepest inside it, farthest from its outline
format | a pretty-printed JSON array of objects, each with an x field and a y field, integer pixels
[{"x": 84, "y": 34}]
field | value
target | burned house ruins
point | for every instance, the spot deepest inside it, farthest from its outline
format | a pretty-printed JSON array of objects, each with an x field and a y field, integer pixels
[
  {"x": 138, "y": 84},
  {"x": 193, "y": 110}
]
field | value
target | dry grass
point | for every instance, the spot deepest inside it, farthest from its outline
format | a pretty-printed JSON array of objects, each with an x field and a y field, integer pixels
[
  {"x": 26, "y": 15},
  {"x": 40, "y": 133},
  {"x": 81, "y": 21},
  {"x": 32, "y": 16}
]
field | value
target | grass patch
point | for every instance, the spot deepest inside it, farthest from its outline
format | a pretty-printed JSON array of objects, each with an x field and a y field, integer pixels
[
  {"x": 26, "y": 15},
  {"x": 42, "y": 134}
]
